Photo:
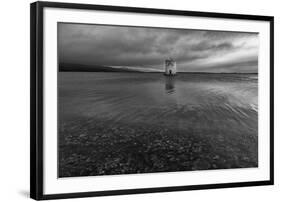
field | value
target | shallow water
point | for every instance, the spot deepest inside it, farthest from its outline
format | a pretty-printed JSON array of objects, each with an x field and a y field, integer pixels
[{"x": 220, "y": 110}]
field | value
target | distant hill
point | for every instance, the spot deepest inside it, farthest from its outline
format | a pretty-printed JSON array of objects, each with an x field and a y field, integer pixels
[{"x": 91, "y": 68}]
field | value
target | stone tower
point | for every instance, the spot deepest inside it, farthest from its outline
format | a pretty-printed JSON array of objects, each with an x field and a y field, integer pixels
[{"x": 170, "y": 67}]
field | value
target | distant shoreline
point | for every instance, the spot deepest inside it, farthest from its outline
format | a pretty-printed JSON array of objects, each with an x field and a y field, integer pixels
[
  {"x": 161, "y": 72},
  {"x": 100, "y": 68}
]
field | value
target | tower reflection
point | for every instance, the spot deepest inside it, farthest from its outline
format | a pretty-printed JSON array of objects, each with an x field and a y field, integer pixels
[{"x": 170, "y": 84}]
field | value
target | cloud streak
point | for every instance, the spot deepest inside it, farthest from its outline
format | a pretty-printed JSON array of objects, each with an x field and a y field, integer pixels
[{"x": 147, "y": 48}]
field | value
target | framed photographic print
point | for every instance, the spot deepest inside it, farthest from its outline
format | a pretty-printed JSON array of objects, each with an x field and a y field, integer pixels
[{"x": 136, "y": 100}]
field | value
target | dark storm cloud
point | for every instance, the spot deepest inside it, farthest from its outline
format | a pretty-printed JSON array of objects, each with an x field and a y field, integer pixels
[
  {"x": 138, "y": 47},
  {"x": 205, "y": 45}
]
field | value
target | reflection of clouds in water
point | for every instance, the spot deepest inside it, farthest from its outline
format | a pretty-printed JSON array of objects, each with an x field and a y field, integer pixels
[{"x": 156, "y": 99}]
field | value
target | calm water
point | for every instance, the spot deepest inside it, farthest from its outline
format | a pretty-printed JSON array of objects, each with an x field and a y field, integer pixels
[{"x": 219, "y": 110}]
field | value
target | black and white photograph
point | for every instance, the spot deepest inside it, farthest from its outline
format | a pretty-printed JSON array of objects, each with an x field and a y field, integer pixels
[{"x": 134, "y": 100}]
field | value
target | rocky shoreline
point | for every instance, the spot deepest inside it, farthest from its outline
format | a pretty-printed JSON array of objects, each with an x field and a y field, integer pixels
[{"x": 90, "y": 147}]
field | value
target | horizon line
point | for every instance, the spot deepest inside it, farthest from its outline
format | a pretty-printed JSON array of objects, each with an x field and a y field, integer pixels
[{"x": 162, "y": 72}]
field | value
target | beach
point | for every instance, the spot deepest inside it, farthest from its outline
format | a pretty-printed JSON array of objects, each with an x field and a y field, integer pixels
[{"x": 126, "y": 123}]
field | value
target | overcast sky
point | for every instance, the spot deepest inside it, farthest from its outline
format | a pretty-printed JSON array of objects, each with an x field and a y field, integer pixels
[{"x": 147, "y": 48}]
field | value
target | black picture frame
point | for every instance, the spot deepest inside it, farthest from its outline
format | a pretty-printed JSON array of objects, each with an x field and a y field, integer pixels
[{"x": 36, "y": 98}]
